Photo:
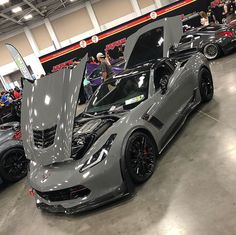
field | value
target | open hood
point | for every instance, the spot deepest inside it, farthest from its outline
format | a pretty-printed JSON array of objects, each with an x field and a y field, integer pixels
[
  {"x": 48, "y": 112},
  {"x": 152, "y": 41}
]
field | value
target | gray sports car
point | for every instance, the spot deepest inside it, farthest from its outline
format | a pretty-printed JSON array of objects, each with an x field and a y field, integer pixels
[
  {"x": 13, "y": 164},
  {"x": 82, "y": 162},
  {"x": 212, "y": 41}
]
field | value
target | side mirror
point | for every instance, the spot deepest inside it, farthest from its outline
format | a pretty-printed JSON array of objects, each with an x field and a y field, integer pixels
[{"x": 164, "y": 84}]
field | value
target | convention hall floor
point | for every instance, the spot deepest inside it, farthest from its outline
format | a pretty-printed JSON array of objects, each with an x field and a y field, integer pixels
[{"x": 193, "y": 191}]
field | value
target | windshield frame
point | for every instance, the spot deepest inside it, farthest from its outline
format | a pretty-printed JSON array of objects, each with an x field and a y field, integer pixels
[{"x": 149, "y": 81}]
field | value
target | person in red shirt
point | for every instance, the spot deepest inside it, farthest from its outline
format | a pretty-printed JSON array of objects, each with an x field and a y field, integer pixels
[{"x": 17, "y": 93}]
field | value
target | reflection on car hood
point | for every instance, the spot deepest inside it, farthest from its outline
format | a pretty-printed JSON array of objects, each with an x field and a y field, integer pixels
[{"x": 48, "y": 112}]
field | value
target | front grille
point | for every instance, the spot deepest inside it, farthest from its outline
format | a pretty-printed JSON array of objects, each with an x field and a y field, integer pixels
[
  {"x": 65, "y": 194},
  {"x": 44, "y": 138}
]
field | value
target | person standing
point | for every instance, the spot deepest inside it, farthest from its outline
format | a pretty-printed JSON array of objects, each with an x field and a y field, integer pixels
[
  {"x": 106, "y": 68},
  {"x": 204, "y": 18},
  {"x": 211, "y": 16},
  {"x": 17, "y": 93},
  {"x": 87, "y": 88},
  {"x": 4, "y": 99},
  {"x": 229, "y": 9}
]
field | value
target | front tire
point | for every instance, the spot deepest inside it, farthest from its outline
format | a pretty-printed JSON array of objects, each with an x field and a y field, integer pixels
[
  {"x": 141, "y": 157},
  {"x": 211, "y": 51},
  {"x": 13, "y": 164},
  {"x": 206, "y": 85}
]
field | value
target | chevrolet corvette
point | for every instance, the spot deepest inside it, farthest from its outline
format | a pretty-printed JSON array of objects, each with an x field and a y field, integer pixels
[{"x": 80, "y": 162}]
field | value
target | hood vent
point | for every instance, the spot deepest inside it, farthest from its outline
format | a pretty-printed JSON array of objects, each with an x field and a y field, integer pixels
[{"x": 44, "y": 138}]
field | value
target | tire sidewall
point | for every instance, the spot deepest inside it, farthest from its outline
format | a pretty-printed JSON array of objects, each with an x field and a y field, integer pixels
[
  {"x": 3, "y": 173},
  {"x": 203, "y": 95},
  {"x": 137, "y": 180}
]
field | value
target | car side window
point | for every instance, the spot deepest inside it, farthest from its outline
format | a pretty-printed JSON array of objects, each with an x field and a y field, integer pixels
[
  {"x": 186, "y": 39},
  {"x": 163, "y": 71}
]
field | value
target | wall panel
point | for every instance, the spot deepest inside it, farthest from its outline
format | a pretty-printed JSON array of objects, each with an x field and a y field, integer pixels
[
  {"x": 108, "y": 10},
  {"x": 20, "y": 42},
  {"x": 145, "y": 3},
  {"x": 42, "y": 37},
  {"x": 72, "y": 25}
]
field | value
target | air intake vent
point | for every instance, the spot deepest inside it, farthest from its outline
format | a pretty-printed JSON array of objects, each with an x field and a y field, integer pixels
[
  {"x": 65, "y": 194},
  {"x": 45, "y": 138}
]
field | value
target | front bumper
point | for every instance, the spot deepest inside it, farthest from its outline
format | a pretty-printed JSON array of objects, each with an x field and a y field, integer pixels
[
  {"x": 87, "y": 206},
  {"x": 107, "y": 182}
]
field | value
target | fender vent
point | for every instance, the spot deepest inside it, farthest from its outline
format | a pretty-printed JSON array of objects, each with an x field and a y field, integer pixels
[{"x": 44, "y": 138}]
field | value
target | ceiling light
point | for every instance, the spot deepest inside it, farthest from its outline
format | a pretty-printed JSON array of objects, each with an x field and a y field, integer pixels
[
  {"x": 2, "y": 2},
  {"x": 16, "y": 9},
  {"x": 28, "y": 17}
]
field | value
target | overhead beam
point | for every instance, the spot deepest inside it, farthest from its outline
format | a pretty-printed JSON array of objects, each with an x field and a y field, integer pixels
[
  {"x": 33, "y": 7},
  {"x": 63, "y": 3},
  {"x": 9, "y": 18}
]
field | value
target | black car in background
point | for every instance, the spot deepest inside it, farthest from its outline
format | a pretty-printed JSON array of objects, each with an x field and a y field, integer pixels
[
  {"x": 13, "y": 163},
  {"x": 11, "y": 112},
  {"x": 212, "y": 41}
]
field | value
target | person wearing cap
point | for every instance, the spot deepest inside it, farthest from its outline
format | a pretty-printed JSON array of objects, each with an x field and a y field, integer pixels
[{"x": 106, "y": 68}]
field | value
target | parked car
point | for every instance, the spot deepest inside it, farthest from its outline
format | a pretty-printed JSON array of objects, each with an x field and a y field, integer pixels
[
  {"x": 212, "y": 41},
  {"x": 13, "y": 163},
  {"x": 10, "y": 112},
  {"x": 82, "y": 162}
]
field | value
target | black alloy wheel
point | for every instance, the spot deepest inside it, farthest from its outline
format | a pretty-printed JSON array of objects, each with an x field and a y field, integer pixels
[
  {"x": 206, "y": 85},
  {"x": 211, "y": 51},
  {"x": 13, "y": 164},
  {"x": 141, "y": 157}
]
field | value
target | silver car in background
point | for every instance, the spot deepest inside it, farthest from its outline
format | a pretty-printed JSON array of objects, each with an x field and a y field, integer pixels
[{"x": 82, "y": 162}]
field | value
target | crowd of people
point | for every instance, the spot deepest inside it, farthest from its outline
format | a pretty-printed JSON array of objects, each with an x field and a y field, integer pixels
[
  {"x": 7, "y": 97},
  {"x": 220, "y": 11}
]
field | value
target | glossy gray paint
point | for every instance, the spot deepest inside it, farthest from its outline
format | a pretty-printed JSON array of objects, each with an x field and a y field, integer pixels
[
  {"x": 51, "y": 101},
  {"x": 107, "y": 180}
]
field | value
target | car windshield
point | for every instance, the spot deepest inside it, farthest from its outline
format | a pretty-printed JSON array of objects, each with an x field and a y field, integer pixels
[{"x": 122, "y": 93}]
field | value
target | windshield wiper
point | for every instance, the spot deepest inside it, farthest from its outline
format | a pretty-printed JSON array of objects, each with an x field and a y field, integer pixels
[
  {"x": 84, "y": 114},
  {"x": 111, "y": 112}
]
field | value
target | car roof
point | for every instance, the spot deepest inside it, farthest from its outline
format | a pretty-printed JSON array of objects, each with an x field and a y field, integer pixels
[
  {"x": 140, "y": 68},
  {"x": 205, "y": 29}
]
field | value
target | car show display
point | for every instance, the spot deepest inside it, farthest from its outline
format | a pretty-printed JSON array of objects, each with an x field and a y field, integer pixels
[{"x": 126, "y": 124}]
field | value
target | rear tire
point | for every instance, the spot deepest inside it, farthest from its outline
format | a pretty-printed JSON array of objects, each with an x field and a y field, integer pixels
[
  {"x": 13, "y": 164},
  {"x": 140, "y": 157},
  {"x": 206, "y": 85},
  {"x": 211, "y": 51}
]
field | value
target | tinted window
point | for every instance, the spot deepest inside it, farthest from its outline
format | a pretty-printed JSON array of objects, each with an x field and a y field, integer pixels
[
  {"x": 162, "y": 71},
  {"x": 211, "y": 28},
  {"x": 149, "y": 46},
  {"x": 186, "y": 39}
]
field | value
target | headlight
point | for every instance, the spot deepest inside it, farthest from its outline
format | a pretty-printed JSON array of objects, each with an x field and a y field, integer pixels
[{"x": 100, "y": 155}]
